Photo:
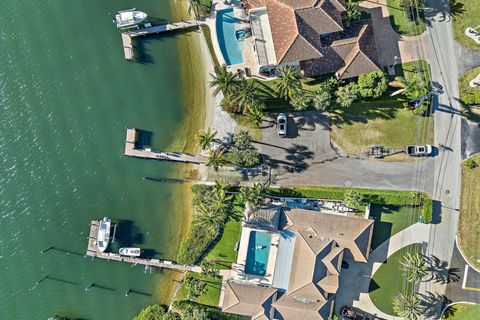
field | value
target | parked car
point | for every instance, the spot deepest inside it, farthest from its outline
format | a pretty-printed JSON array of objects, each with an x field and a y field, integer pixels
[
  {"x": 282, "y": 125},
  {"x": 418, "y": 151},
  {"x": 349, "y": 314}
]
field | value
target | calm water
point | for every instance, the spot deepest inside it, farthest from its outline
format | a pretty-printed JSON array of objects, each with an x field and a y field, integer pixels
[{"x": 66, "y": 97}]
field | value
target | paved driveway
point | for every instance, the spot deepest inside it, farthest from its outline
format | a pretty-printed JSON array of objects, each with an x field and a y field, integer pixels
[{"x": 306, "y": 157}]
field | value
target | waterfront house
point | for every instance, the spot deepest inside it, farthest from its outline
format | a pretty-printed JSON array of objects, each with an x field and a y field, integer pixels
[
  {"x": 292, "y": 270},
  {"x": 311, "y": 34}
]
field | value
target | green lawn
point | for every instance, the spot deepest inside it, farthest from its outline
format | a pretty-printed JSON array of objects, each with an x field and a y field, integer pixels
[
  {"x": 383, "y": 122},
  {"x": 470, "y": 96},
  {"x": 208, "y": 38},
  {"x": 401, "y": 23},
  {"x": 388, "y": 281},
  {"x": 212, "y": 295},
  {"x": 389, "y": 220},
  {"x": 408, "y": 69},
  {"x": 462, "y": 312},
  {"x": 465, "y": 14},
  {"x": 223, "y": 252}
]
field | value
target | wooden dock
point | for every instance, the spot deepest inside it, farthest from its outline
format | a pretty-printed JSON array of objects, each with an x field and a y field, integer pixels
[
  {"x": 132, "y": 151},
  {"x": 93, "y": 252},
  {"x": 127, "y": 36}
]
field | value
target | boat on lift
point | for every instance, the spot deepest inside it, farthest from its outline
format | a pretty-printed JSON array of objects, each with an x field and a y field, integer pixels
[
  {"x": 129, "y": 18},
  {"x": 131, "y": 252},
  {"x": 103, "y": 235}
]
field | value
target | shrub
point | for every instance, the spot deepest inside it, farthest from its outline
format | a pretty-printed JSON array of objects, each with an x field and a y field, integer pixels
[
  {"x": 427, "y": 210},
  {"x": 243, "y": 158},
  {"x": 470, "y": 163},
  {"x": 352, "y": 198},
  {"x": 372, "y": 85},
  {"x": 152, "y": 312},
  {"x": 194, "y": 244},
  {"x": 346, "y": 95},
  {"x": 188, "y": 309},
  {"x": 300, "y": 100},
  {"x": 471, "y": 98},
  {"x": 322, "y": 98}
]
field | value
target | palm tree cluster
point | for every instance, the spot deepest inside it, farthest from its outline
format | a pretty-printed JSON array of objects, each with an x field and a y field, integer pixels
[
  {"x": 415, "y": 267},
  {"x": 212, "y": 206},
  {"x": 407, "y": 306},
  {"x": 195, "y": 287},
  {"x": 209, "y": 269},
  {"x": 255, "y": 195}
]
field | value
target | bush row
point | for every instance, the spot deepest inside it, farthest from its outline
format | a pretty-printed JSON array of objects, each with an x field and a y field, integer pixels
[
  {"x": 185, "y": 307},
  {"x": 427, "y": 210},
  {"x": 194, "y": 244}
]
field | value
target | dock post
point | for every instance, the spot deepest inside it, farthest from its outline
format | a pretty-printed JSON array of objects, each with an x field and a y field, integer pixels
[
  {"x": 128, "y": 292},
  {"x": 48, "y": 249},
  {"x": 41, "y": 280},
  {"x": 89, "y": 286}
]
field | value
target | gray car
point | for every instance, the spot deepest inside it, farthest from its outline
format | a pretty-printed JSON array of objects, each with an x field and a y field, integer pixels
[{"x": 282, "y": 125}]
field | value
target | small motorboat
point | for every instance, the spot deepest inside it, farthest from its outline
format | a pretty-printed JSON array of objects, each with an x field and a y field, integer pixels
[
  {"x": 132, "y": 252},
  {"x": 129, "y": 18},
  {"x": 103, "y": 235}
]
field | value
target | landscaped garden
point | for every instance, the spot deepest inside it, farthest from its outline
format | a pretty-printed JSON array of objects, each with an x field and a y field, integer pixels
[
  {"x": 407, "y": 17},
  {"x": 387, "y": 283},
  {"x": 470, "y": 96},
  {"x": 465, "y": 14},
  {"x": 462, "y": 312},
  {"x": 209, "y": 294},
  {"x": 469, "y": 224}
]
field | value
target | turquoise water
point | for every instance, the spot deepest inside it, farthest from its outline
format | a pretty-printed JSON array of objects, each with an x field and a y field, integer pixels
[
  {"x": 257, "y": 255},
  {"x": 231, "y": 48},
  {"x": 67, "y": 96}
]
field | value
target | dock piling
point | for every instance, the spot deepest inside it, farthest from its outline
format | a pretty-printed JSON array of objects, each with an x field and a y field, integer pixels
[
  {"x": 89, "y": 286},
  {"x": 48, "y": 249},
  {"x": 41, "y": 280}
]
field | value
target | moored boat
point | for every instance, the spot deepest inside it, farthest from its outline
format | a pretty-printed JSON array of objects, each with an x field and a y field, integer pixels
[
  {"x": 132, "y": 252},
  {"x": 103, "y": 235},
  {"x": 129, "y": 18}
]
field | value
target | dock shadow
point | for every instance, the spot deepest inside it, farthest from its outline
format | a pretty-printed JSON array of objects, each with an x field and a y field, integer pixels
[
  {"x": 144, "y": 139},
  {"x": 127, "y": 234}
]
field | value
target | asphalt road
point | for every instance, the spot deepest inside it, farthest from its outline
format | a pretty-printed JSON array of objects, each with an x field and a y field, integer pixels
[{"x": 306, "y": 157}]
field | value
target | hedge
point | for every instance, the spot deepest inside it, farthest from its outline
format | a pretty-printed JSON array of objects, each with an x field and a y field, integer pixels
[
  {"x": 194, "y": 244},
  {"x": 185, "y": 306},
  {"x": 427, "y": 210},
  {"x": 386, "y": 197}
]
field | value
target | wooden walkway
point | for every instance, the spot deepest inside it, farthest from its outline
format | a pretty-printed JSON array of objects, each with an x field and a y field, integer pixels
[
  {"x": 164, "y": 28},
  {"x": 127, "y": 46},
  {"x": 132, "y": 151},
  {"x": 93, "y": 252}
]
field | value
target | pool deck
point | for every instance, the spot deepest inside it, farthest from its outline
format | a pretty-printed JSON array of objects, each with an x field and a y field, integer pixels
[{"x": 238, "y": 269}]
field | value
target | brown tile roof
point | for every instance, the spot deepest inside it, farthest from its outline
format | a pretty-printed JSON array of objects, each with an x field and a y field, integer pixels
[
  {"x": 248, "y": 300},
  {"x": 345, "y": 231},
  {"x": 291, "y": 308}
]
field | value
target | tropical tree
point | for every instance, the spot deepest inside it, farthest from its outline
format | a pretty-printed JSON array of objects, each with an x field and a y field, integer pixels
[
  {"x": 287, "y": 82},
  {"x": 255, "y": 195},
  {"x": 412, "y": 87},
  {"x": 322, "y": 98},
  {"x": 223, "y": 80},
  {"x": 206, "y": 137},
  {"x": 245, "y": 94},
  {"x": 194, "y": 287},
  {"x": 414, "y": 267},
  {"x": 209, "y": 269},
  {"x": 352, "y": 198},
  {"x": 346, "y": 95},
  {"x": 300, "y": 100},
  {"x": 197, "y": 7},
  {"x": 152, "y": 312},
  {"x": 220, "y": 185},
  {"x": 372, "y": 85},
  {"x": 351, "y": 14},
  {"x": 242, "y": 140},
  {"x": 255, "y": 113},
  {"x": 215, "y": 160},
  {"x": 407, "y": 306},
  {"x": 208, "y": 217}
]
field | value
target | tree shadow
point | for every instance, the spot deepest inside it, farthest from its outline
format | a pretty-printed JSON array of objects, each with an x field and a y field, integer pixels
[
  {"x": 446, "y": 10},
  {"x": 440, "y": 272},
  {"x": 432, "y": 303}
]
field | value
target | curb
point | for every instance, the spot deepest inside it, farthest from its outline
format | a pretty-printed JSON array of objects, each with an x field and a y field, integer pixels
[
  {"x": 463, "y": 255},
  {"x": 454, "y": 303}
]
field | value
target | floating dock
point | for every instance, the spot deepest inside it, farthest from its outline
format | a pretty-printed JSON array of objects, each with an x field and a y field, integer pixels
[
  {"x": 149, "y": 29},
  {"x": 132, "y": 151},
  {"x": 94, "y": 252}
]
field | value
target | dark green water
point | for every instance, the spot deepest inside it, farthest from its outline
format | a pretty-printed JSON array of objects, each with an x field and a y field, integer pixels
[{"x": 66, "y": 97}]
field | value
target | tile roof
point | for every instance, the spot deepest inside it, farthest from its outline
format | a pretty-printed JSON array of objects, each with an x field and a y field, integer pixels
[{"x": 248, "y": 300}]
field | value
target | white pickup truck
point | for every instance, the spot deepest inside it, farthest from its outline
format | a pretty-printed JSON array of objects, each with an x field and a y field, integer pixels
[{"x": 418, "y": 151}]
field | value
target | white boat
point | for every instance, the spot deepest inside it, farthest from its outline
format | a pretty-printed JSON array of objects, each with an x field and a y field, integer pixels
[
  {"x": 103, "y": 235},
  {"x": 132, "y": 252},
  {"x": 129, "y": 18}
]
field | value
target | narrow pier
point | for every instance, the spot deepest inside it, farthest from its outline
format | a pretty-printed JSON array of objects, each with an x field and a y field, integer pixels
[
  {"x": 127, "y": 36},
  {"x": 132, "y": 151},
  {"x": 94, "y": 252}
]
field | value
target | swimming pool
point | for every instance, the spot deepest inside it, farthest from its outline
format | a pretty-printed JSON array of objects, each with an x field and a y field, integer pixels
[
  {"x": 257, "y": 255},
  {"x": 226, "y": 25}
]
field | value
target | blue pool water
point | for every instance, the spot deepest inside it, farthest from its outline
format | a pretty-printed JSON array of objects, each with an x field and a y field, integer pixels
[
  {"x": 226, "y": 27},
  {"x": 257, "y": 255}
]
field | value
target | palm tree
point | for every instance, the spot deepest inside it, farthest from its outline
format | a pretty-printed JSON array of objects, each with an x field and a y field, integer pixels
[
  {"x": 207, "y": 217},
  {"x": 195, "y": 287},
  {"x": 322, "y": 99},
  {"x": 209, "y": 269},
  {"x": 220, "y": 185},
  {"x": 255, "y": 195},
  {"x": 287, "y": 82},
  {"x": 300, "y": 100},
  {"x": 197, "y": 7},
  {"x": 215, "y": 160},
  {"x": 414, "y": 267},
  {"x": 255, "y": 113},
  {"x": 351, "y": 14},
  {"x": 205, "y": 138},
  {"x": 245, "y": 94},
  {"x": 223, "y": 80},
  {"x": 412, "y": 87},
  {"x": 346, "y": 95},
  {"x": 407, "y": 306}
]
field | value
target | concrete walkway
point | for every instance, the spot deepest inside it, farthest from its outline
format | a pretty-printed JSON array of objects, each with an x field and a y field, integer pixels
[
  {"x": 389, "y": 42},
  {"x": 355, "y": 281}
]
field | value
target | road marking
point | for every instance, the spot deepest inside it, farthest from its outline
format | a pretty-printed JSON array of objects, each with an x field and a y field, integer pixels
[{"x": 464, "y": 282}]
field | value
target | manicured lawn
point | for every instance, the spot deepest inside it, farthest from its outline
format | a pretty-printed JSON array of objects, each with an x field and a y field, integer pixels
[
  {"x": 469, "y": 224},
  {"x": 465, "y": 14},
  {"x": 389, "y": 220},
  {"x": 388, "y": 281},
  {"x": 401, "y": 23},
  {"x": 212, "y": 295},
  {"x": 385, "y": 123},
  {"x": 223, "y": 252},
  {"x": 462, "y": 312},
  {"x": 408, "y": 69},
  {"x": 470, "y": 96}
]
